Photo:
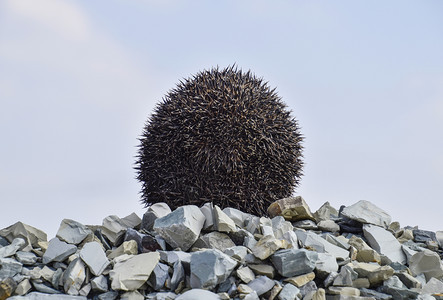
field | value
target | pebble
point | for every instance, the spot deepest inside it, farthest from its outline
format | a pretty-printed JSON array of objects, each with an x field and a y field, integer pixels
[{"x": 213, "y": 253}]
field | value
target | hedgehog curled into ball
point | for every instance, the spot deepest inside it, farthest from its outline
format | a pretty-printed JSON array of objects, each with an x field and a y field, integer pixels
[{"x": 222, "y": 136}]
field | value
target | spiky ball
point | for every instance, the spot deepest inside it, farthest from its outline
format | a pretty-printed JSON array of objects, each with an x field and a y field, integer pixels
[{"x": 222, "y": 136}]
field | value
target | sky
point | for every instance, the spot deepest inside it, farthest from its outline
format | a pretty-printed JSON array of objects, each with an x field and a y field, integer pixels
[{"x": 79, "y": 79}]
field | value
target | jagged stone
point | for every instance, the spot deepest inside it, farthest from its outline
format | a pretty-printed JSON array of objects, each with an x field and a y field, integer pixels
[
  {"x": 423, "y": 236},
  {"x": 343, "y": 291},
  {"x": 128, "y": 247},
  {"x": 328, "y": 225},
  {"x": 208, "y": 211},
  {"x": 99, "y": 284},
  {"x": 261, "y": 284},
  {"x": 367, "y": 213},
  {"x": 155, "y": 211},
  {"x": 361, "y": 283},
  {"x": 372, "y": 293},
  {"x": 31, "y": 235},
  {"x": 181, "y": 228},
  {"x": 245, "y": 274},
  {"x": 47, "y": 273},
  {"x": 263, "y": 269},
  {"x": 134, "y": 295},
  {"x": 9, "y": 268},
  {"x": 11, "y": 249},
  {"x": 111, "y": 295},
  {"x": 131, "y": 273},
  {"x": 223, "y": 223},
  {"x": 325, "y": 264},
  {"x": 266, "y": 246},
  {"x": 291, "y": 239},
  {"x": 394, "y": 282},
  {"x": 177, "y": 276},
  {"x": 58, "y": 251},
  {"x": 209, "y": 268},
  {"x": 345, "y": 277},
  {"x": 315, "y": 241},
  {"x": 214, "y": 240},
  {"x": 374, "y": 272},
  {"x": 26, "y": 258},
  {"x": 23, "y": 287},
  {"x": 410, "y": 281},
  {"x": 384, "y": 243},
  {"x": 293, "y": 262},
  {"x": 43, "y": 288},
  {"x": 74, "y": 276},
  {"x": 306, "y": 225},
  {"x": 237, "y": 252},
  {"x": 236, "y": 215},
  {"x": 433, "y": 286},
  {"x": 72, "y": 232},
  {"x": 93, "y": 255},
  {"x": 364, "y": 252},
  {"x": 325, "y": 212},
  {"x": 292, "y": 209},
  {"x": 428, "y": 263},
  {"x": 398, "y": 294},
  {"x": 301, "y": 280},
  {"x": 7, "y": 287},
  {"x": 280, "y": 227},
  {"x": 159, "y": 276},
  {"x": 198, "y": 294},
  {"x": 114, "y": 229}
]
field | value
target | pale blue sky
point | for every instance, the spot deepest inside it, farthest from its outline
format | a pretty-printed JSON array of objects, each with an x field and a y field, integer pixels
[{"x": 78, "y": 80}]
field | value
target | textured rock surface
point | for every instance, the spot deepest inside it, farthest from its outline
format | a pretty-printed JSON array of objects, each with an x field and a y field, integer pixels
[{"x": 247, "y": 257}]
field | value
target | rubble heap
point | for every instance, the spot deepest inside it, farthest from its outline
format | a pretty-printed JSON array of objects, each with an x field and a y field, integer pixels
[{"x": 212, "y": 253}]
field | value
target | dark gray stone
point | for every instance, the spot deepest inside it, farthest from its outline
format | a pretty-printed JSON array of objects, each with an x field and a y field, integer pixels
[
  {"x": 398, "y": 294},
  {"x": 261, "y": 284},
  {"x": 293, "y": 262},
  {"x": 43, "y": 288},
  {"x": 372, "y": 293},
  {"x": 155, "y": 211},
  {"x": 111, "y": 295},
  {"x": 423, "y": 236},
  {"x": 100, "y": 284},
  {"x": 58, "y": 251},
  {"x": 178, "y": 275},
  {"x": 159, "y": 276},
  {"x": 9, "y": 268}
]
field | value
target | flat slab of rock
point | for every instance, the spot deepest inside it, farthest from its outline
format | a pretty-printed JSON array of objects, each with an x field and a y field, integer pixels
[
  {"x": 223, "y": 222},
  {"x": 292, "y": 209},
  {"x": 155, "y": 211},
  {"x": 74, "y": 276},
  {"x": 367, "y": 213},
  {"x": 426, "y": 262},
  {"x": 72, "y": 231},
  {"x": 181, "y": 228},
  {"x": 58, "y": 251},
  {"x": 31, "y": 235},
  {"x": 209, "y": 268},
  {"x": 93, "y": 255},
  {"x": 384, "y": 242},
  {"x": 321, "y": 245},
  {"x": 131, "y": 274}
]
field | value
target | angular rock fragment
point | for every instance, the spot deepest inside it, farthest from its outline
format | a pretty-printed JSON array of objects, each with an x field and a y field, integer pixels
[
  {"x": 236, "y": 215},
  {"x": 328, "y": 225},
  {"x": 263, "y": 269},
  {"x": 9, "y": 268},
  {"x": 159, "y": 276},
  {"x": 177, "y": 276},
  {"x": 384, "y": 243},
  {"x": 72, "y": 232},
  {"x": 266, "y": 246},
  {"x": 428, "y": 263},
  {"x": 198, "y": 294},
  {"x": 114, "y": 229},
  {"x": 11, "y": 249},
  {"x": 301, "y": 280},
  {"x": 261, "y": 285},
  {"x": 99, "y": 284},
  {"x": 58, "y": 251},
  {"x": 181, "y": 228},
  {"x": 132, "y": 273},
  {"x": 293, "y": 262},
  {"x": 155, "y": 211},
  {"x": 93, "y": 255},
  {"x": 74, "y": 276},
  {"x": 26, "y": 258},
  {"x": 222, "y": 222},
  {"x": 289, "y": 292},
  {"x": 237, "y": 252},
  {"x": 312, "y": 240},
  {"x": 31, "y": 235},
  {"x": 245, "y": 274},
  {"x": 128, "y": 247},
  {"x": 325, "y": 212},
  {"x": 367, "y": 213},
  {"x": 207, "y": 210},
  {"x": 43, "y": 296},
  {"x": 209, "y": 268},
  {"x": 292, "y": 209},
  {"x": 7, "y": 287},
  {"x": 280, "y": 227},
  {"x": 325, "y": 264},
  {"x": 214, "y": 240}
]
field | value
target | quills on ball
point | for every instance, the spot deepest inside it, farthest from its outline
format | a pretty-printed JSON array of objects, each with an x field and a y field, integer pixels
[{"x": 222, "y": 136}]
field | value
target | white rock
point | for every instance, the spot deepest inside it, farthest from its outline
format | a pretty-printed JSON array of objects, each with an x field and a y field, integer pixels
[
  {"x": 131, "y": 274},
  {"x": 195, "y": 294},
  {"x": 10, "y": 250},
  {"x": 236, "y": 215},
  {"x": 321, "y": 245},
  {"x": 74, "y": 276},
  {"x": 427, "y": 262},
  {"x": 155, "y": 211},
  {"x": 181, "y": 228},
  {"x": 280, "y": 227},
  {"x": 134, "y": 295},
  {"x": 433, "y": 286},
  {"x": 261, "y": 285},
  {"x": 113, "y": 228},
  {"x": 93, "y": 255},
  {"x": 291, "y": 238},
  {"x": 382, "y": 241},
  {"x": 207, "y": 210},
  {"x": 325, "y": 264},
  {"x": 223, "y": 223},
  {"x": 367, "y": 213}
]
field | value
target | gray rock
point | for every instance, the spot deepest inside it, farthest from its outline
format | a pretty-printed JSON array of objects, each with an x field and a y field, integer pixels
[
  {"x": 155, "y": 211},
  {"x": 132, "y": 221},
  {"x": 291, "y": 238},
  {"x": 214, "y": 240},
  {"x": 305, "y": 224},
  {"x": 159, "y": 276},
  {"x": 395, "y": 282},
  {"x": 40, "y": 287},
  {"x": 26, "y": 258},
  {"x": 433, "y": 286},
  {"x": 367, "y": 213},
  {"x": 11, "y": 249},
  {"x": 134, "y": 295},
  {"x": 321, "y": 245},
  {"x": 99, "y": 284},
  {"x": 280, "y": 227},
  {"x": 58, "y": 251},
  {"x": 267, "y": 246},
  {"x": 423, "y": 236},
  {"x": 328, "y": 225},
  {"x": 252, "y": 224},
  {"x": 198, "y": 294},
  {"x": 74, "y": 276},
  {"x": 428, "y": 263},
  {"x": 111, "y": 295},
  {"x": 209, "y": 268},
  {"x": 42, "y": 296},
  {"x": 325, "y": 264},
  {"x": 181, "y": 228},
  {"x": 207, "y": 210},
  {"x": 325, "y": 212},
  {"x": 170, "y": 257},
  {"x": 131, "y": 273},
  {"x": 261, "y": 284},
  {"x": 114, "y": 229},
  {"x": 382, "y": 241},
  {"x": 31, "y": 235},
  {"x": 289, "y": 292},
  {"x": 293, "y": 262},
  {"x": 245, "y": 274},
  {"x": 72, "y": 232},
  {"x": 377, "y": 295},
  {"x": 292, "y": 209},
  {"x": 177, "y": 276},
  {"x": 345, "y": 277},
  {"x": 93, "y": 255},
  {"x": 398, "y": 294},
  {"x": 9, "y": 268},
  {"x": 237, "y": 252}
]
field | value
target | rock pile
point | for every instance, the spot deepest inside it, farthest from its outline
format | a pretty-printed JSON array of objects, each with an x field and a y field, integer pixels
[{"x": 210, "y": 253}]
